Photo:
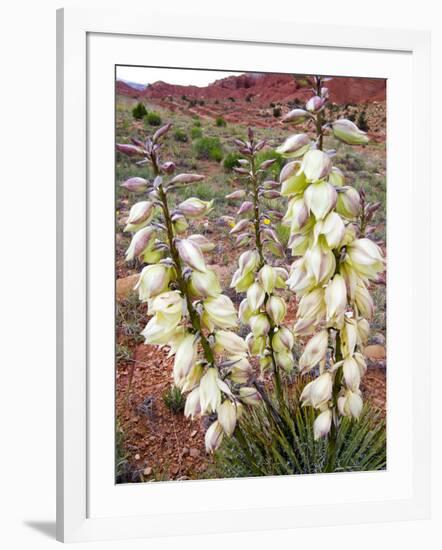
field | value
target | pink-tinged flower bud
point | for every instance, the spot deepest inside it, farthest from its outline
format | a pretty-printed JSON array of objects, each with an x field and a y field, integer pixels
[
  {"x": 316, "y": 165},
  {"x": 135, "y": 184},
  {"x": 195, "y": 208},
  {"x": 320, "y": 263},
  {"x": 241, "y": 372},
  {"x": 346, "y": 131},
  {"x": 324, "y": 93},
  {"x": 364, "y": 301},
  {"x": 130, "y": 150},
  {"x": 297, "y": 214},
  {"x": 271, "y": 194},
  {"x": 336, "y": 177},
  {"x": 240, "y": 226},
  {"x": 203, "y": 284},
  {"x": 213, "y": 437},
  {"x": 315, "y": 104},
  {"x": 191, "y": 254},
  {"x": 365, "y": 257},
  {"x": 238, "y": 194},
  {"x": 350, "y": 404},
  {"x": 322, "y": 424},
  {"x": 320, "y": 198},
  {"x": 314, "y": 352},
  {"x": 248, "y": 261},
  {"x": 210, "y": 394},
  {"x": 296, "y": 116},
  {"x": 348, "y": 203},
  {"x": 318, "y": 392},
  {"x": 231, "y": 343},
  {"x": 204, "y": 244},
  {"x": 266, "y": 164},
  {"x": 246, "y": 206},
  {"x": 294, "y": 146},
  {"x": 153, "y": 280},
  {"x": 249, "y": 396},
  {"x": 276, "y": 309},
  {"x": 219, "y": 312},
  {"x": 161, "y": 132},
  {"x": 267, "y": 277},
  {"x": 283, "y": 339},
  {"x": 255, "y": 296},
  {"x": 259, "y": 325},
  {"x": 185, "y": 357},
  {"x": 352, "y": 374},
  {"x": 192, "y": 407},
  {"x": 142, "y": 240},
  {"x": 285, "y": 360},
  {"x": 140, "y": 215},
  {"x": 227, "y": 417},
  {"x": 186, "y": 178},
  {"x": 168, "y": 167},
  {"x": 336, "y": 299},
  {"x": 179, "y": 223}
]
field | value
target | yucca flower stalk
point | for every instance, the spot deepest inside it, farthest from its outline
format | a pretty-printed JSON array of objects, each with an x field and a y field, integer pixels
[
  {"x": 334, "y": 265},
  {"x": 262, "y": 309},
  {"x": 189, "y": 313}
]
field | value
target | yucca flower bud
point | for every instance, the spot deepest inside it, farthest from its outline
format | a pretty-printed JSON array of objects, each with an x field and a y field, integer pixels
[
  {"x": 246, "y": 206},
  {"x": 336, "y": 177},
  {"x": 249, "y": 396},
  {"x": 195, "y": 208},
  {"x": 320, "y": 262},
  {"x": 255, "y": 296},
  {"x": 265, "y": 363},
  {"x": 283, "y": 340},
  {"x": 219, "y": 311},
  {"x": 168, "y": 167},
  {"x": 332, "y": 228},
  {"x": 230, "y": 342},
  {"x": 185, "y": 358},
  {"x": 349, "y": 337},
  {"x": 256, "y": 344},
  {"x": 242, "y": 280},
  {"x": 161, "y": 329},
  {"x": 259, "y": 324},
  {"x": 193, "y": 378},
  {"x": 336, "y": 298},
  {"x": 192, "y": 407},
  {"x": 248, "y": 261},
  {"x": 363, "y": 300},
  {"x": 204, "y": 244},
  {"x": 318, "y": 392},
  {"x": 204, "y": 284},
  {"x": 142, "y": 240},
  {"x": 135, "y": 184},
  {"x": 297, "y": 214},
  {"x": 244, "y": 311},
  {"x": 180, "y": 223},
  {"x": 238, "y": 194},
  {"x": 350, "y": 404},
  {"x": 315, "y": 351},
  {"x": 351, "y": 278},
  {"x": 140, "y": 215},
  {"x": 322, "y": 424},
  {"x": 153, "y": 280},
  {"x": 267, "y": 277},
  {"x": 227, "y": 417},
  {"x": 281, "y": 277},
  {"x": 346, "y": 131},
  {"x": 294, "y": 146},
  {"x": 320, "y": 198},
  {"x": 240, "y": 226},
  {"x": 352, "y": 373},
  {"x": 285, "y": 360},
  {"x": 296, "y": 116},
  {"x": 241, "y": 372},
  {"x": 292, "y": 179},
  {"x": 131, "y": 150},
  {"x": 315, "y": 104},
  {"x": 213, "y": 437},
  {"x": 276, "y": 309},
  {"x": 348, "y": 203},
  {"x": 316, "y": 165},
  {"x": 191, "y": 254},
  {"x": 186, "y": 178},
  {"x": 210, "y": 394},
  {"x": 365, "y": 257}
]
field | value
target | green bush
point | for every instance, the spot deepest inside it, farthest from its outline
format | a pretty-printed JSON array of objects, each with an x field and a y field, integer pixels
[
  {"x": 362, "y": 121},
  {"x": 208, "y": 148},
  {"x": 180, "y": 135},
  {"x": 266, "y": 446},
  {"x": 196, "y": 121},
  {"x": 231, "y": 160},
  {"x": 277, "y": 112},
  {"x": 153, "y": 119},
  {"x": 220, "y": 122},
  {"x": 196, "y": 132},
  {"x": 139, "y": 111},
  {"x": 173, "y": 399}
]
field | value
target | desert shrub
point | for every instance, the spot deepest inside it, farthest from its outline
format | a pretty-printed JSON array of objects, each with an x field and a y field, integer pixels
[
  {"x": 196, "y": 121},
  {"x": 173, "y": 399},
  {"x": 284, "y": 445},
  {"x": 184, "y": 98},
  {"x": 277, "y": 111},
  {"x": 231, "y": 160},
  {"x": 180, "y": 135},
  {"x": 216, "y": 102},
  {"x": 208, "y": 148},
  {"x": 249, "y": 98},
  {"x": 232, "y": 99},
  {"x": 220, "y": 122},
  {"x": 362, "y": 122},
  {"x": 139, "y": 111},
  {"x": 201, "y": 102},
  {"x": 193, "y": 103},
  {"x": 272, "y": 105},
  {"x": 153, "y": 119},
  {"x": 196, "y": 132},
  {"x": 268, "y": 154}
]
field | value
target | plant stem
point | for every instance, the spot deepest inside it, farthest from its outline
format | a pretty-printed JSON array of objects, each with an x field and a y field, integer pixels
[
  {"x": 333, "y": 435},
  {"x": 319, "y": 117}
]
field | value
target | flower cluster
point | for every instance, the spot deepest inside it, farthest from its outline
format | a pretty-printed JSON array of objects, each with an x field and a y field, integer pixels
[
  {"x": 189, "y": 313},
  {"x": 333, "y": 267},
  {"x": 263, "y": 310}
]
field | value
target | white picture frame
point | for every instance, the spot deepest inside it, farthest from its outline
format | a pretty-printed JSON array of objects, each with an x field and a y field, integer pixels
[{"x": 86, "y": 508}]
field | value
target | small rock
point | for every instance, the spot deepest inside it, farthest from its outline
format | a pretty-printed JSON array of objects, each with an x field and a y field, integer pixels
[
  {"x": 125, "y": 286},
  {"x": 185, "y": 451},
  {"x": 379, "y": 338},
  {"x": 375, "y": 352},
  {"x": 147, "y": 471},
  {"x": 174, "y": 470},
  {"x": 194, "y": 453},
  {"x": 193, "y": 434},
  {"x": 137, "y": 457}
]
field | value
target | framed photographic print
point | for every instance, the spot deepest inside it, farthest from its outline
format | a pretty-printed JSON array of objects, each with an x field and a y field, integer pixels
[{"x": 243, "y": 223}]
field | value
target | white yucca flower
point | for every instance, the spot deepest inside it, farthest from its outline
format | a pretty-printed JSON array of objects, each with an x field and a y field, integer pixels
[
  {"x": 267, "y": 277},
  {"x": 294, "y": 146},
  {"x": 192, "y": 407},
  {"x": 255, "y": 296},
  {"x": 227, "y": 416},
  {"x": 292, "y": 179},
  {"x": 204, "y": 283},
  {"x": 316, "y": 165},
  {"x": 195, "y": 208},
  {"x": 154, "y": 280},
  {"x": 365, "y": 257},
  {"x": 350, "y": 404},
  {"x": 322, "y": 424},
  {"x": 185, "y": 357},
  {"x": 140, "y": 214},
  {"x": 345, "y": 130},
  {"x": 320, "y": 198},
  {"x": 210, "y": 394},
  {"x": 191, "y": 254},
  {"x": 213, "y": 437},
  {"x": 318, "y": 392},
  {"x": 336, "y": 299},
  {"x": 142, "y": 241},
  {"x": 315, "y": 351},
  {"x": 276, "y": 309},
  {"x": 219, "y": 312},
  {"x": 230, "y": 342}
]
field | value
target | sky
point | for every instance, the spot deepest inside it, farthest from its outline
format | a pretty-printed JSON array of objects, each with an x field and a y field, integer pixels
[{"x": 147, "y": 75}]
